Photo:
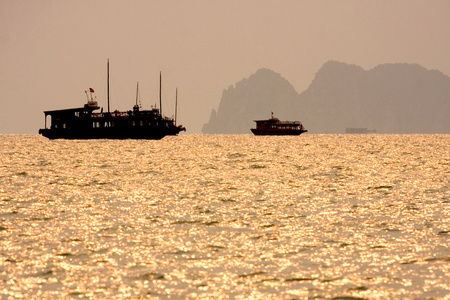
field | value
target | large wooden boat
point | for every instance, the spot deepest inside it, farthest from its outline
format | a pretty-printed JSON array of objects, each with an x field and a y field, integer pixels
[
  {"x": 274, "y": 126},
  {"x": 84, "y": 123}
]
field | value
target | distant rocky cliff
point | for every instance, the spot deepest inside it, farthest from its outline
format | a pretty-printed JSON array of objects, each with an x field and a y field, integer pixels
[
  {"x": 250, "y": 99},
  {"x": 391, "y": 98}
]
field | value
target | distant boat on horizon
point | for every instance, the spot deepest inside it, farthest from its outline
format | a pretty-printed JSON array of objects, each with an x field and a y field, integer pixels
[
  {"x": 274, "y": 126},
  {"x": 84, "y": 123},
  {"x": 358, "y": 130}
]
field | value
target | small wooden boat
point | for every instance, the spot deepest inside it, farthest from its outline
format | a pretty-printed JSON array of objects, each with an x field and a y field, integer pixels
[{"x": 274, "y": 126}]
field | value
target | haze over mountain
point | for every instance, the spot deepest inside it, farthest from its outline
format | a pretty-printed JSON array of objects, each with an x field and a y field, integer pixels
[{"x": 390, "y": 98}]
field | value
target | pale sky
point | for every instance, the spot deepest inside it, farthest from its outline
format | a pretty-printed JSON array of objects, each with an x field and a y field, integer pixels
[{"x": 52, "y": 51}]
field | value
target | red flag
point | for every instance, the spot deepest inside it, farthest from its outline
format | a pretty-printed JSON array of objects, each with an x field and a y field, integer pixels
[{"x": 91, "y": 90}]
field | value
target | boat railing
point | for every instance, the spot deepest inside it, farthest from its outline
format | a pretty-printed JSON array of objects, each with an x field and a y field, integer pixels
[
  {"x": 112, "y": 114},
  {"x": 120, "y": 113}
]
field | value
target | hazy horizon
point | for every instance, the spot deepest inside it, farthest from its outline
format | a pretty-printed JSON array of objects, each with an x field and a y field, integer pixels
[{"x": 53, "y": 51}]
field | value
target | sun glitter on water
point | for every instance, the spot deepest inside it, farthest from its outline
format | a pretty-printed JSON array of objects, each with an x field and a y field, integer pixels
[{"x": 226, "y": 216}]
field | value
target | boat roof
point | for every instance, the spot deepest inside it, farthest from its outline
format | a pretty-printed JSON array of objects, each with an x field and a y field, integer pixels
[
  {"x": 275, "y": 120},
  {"x": 69, "y": 110}
]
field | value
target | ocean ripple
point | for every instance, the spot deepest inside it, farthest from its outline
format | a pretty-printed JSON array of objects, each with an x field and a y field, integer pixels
[{"x": 226, "y": 216}]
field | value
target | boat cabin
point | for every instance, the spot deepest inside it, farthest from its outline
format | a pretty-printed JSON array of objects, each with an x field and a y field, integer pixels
[{"x": 68, "y": 118}]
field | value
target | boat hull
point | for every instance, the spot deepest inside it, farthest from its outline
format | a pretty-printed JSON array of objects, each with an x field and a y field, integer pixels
[
  {"x": 104, "y": 133},
  {"x": 277, "y": 132}
]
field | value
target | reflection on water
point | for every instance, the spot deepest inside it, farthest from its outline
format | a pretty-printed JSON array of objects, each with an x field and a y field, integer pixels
[{"x": 226, "y": 216}]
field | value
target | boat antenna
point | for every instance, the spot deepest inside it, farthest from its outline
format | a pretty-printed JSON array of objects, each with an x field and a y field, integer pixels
[
  {"x": 160, "y": 106},
  {"x": 176, "y": 105},
  {"x": 108, "y": 83}
]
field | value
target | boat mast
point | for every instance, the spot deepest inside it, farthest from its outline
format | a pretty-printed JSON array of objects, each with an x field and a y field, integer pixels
[
  {"x": 176, "y": 105},
  {"x": 108, "y": 83},
  {"x": 160, "y": 106},
  {"x": 137, "y": 93}
]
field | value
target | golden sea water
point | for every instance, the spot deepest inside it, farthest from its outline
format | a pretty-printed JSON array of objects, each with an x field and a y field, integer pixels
[{"x": 226, "y": 217}]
